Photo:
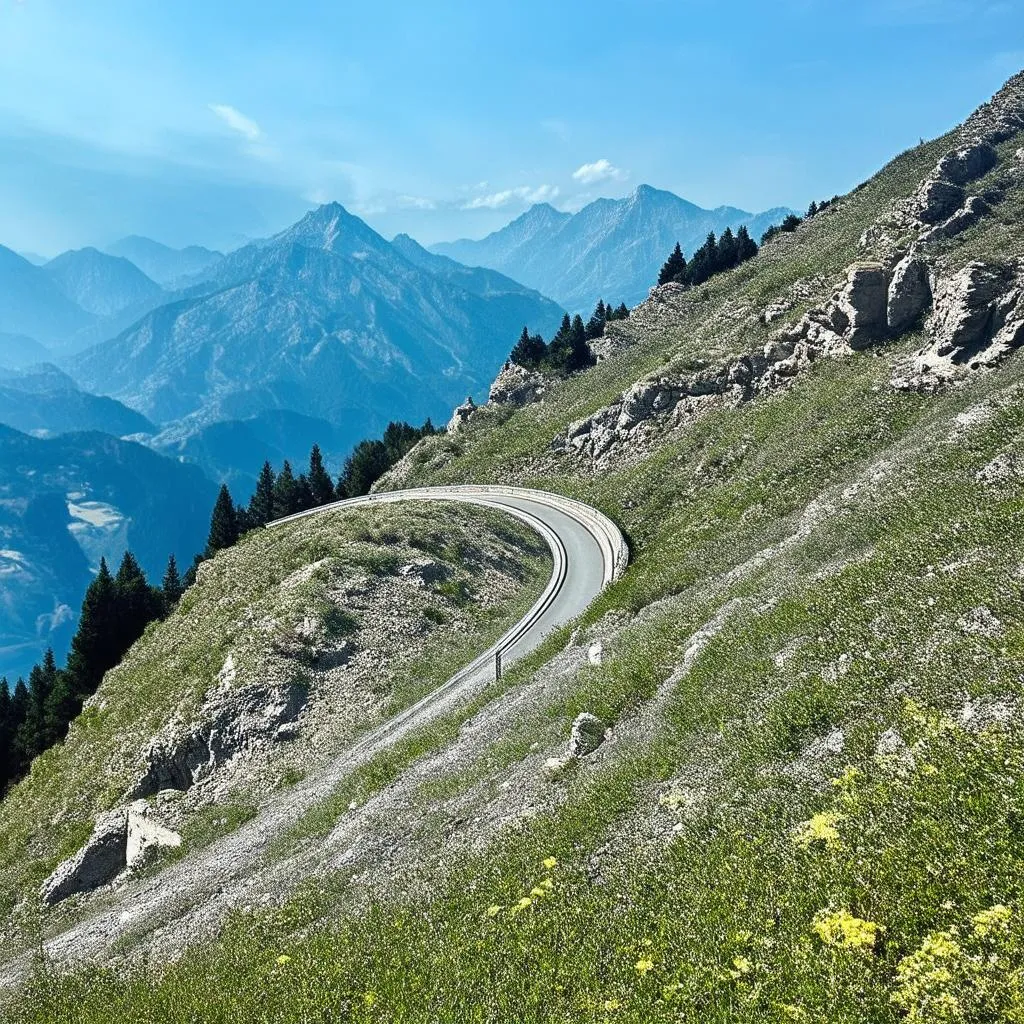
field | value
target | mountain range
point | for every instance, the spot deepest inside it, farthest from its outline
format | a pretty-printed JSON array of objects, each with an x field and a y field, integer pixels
[
  {"x": 610, "y": 249},
  {"x": 326, "y": 318},
  {"x": 168, "y": 267}
]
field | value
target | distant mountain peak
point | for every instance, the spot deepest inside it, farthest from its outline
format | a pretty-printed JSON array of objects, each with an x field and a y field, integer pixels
[{"x": 610, "y": 249}]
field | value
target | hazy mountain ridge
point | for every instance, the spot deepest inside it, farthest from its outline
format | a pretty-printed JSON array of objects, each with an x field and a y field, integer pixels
[
  {"x": 610, "y": 249},
  {"x": 66, "y": 501},
  {"x": 101, "y": 284},
  {"x": 326, "y": 317},
  {"x": 167, "y": 266}
]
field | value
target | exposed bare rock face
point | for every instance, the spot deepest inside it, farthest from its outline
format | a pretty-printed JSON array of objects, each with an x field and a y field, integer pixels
[
  {"x": 588, "y": 733},
  {"x": 233, "y": 720},
  {"x": 516, "y": 385},
  {"x": 862, "y": 304},
  {"x": 966, "y": 217},
  {"x": 461, "y": 415},
  {"x": 967, "y": 163},
  {"x": 978, "y": 319},
  {"x": 97, "y": 863},
  {"x": 122, "y": 838},
  {"x": 937, "y": 199},
  {"x": 909, "y": 295}
]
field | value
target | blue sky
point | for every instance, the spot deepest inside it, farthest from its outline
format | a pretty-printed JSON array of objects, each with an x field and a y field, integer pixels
[{"x": 210, "y": 121}]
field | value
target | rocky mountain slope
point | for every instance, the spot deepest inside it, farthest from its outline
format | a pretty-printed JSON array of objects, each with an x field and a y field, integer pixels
[
  {"x": 67, "y": 501},
  {"x": 102, "y": 285},
  {"x": 611, "y": 249},
  {"x": 805, "y": 805},
  {"x": 44, "y": 401},
  {"x": 32, "y": 304},
  {"x": 327, "y": 319},
  {"x": 169, "y": 267}
]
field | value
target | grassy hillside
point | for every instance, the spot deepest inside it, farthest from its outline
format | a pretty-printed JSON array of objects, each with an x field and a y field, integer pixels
[{"x": 810, "y": 807}]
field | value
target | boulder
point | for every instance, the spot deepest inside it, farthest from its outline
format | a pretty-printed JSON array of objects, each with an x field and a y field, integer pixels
[
  {"x": 937, "y": 199},
  {"x": 588, "y": 733},
  {"x": 461, "y": 415},
  {"x": 967, "y": 163},
  {"x": 98, "y": 862},
  {"x": 965, "y": 308},
  {"x": 910, "y": 294},
  {"x": 516, "y": 385},
  {"x": 863, "y": 302}
]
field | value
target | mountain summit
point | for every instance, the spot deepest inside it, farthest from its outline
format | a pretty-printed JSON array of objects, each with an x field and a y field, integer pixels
[
  {"x": 610, "y": 249},
  {"x": 326, "y": 318}
]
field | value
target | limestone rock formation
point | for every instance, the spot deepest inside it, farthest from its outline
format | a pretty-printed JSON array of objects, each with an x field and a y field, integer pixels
[
  {"x": 98, "y": 862},
  {"x": 965, "y": 217},
  {"x": 863, "y": 304},
  {"x": 461, "y": 415},
  {"x": 978, "y": 319},
  {"x": 588, "y": 733},
  {"x": 516, "y": 385},
  {"x": 910, "y": 293},
  {"x": 967, "y": 163},
  {"x": 231, "y": 721}
]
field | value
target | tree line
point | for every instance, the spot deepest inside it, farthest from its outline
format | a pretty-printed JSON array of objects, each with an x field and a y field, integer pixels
[
  {"x": 713, "y": 257},
  {"x": 568, "y": 351},
  {"x": 35, "y": 715},
  {"x": 115, "y": 613}
]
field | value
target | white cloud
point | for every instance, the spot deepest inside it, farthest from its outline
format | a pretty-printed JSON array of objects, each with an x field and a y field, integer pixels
[
  {"x": 237, "y": 121},
  {"x": 599, "y": 170},
  {"x": 521, "y": 194},
  {"x": 416, "y": 203}
]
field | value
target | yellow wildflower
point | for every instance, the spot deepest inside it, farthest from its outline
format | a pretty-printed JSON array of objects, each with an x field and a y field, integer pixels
[
  {"x": 522, "y": 904},
  {"x": 537, "y": 891},
  {"x": 611, "y": 1004},
  {"x": 996, "y": 918},
  {"x": 643, "y": 967},
  {"x": 819, "y": 829},
  {"x": 841, "y": 928},
  {"x": 548, "y": 863},
  {"x": 742, "y": 964},
  {"x": 547, "y": 883},
  {"x": 369, "y": 998},
  {"x": 284, "y": 959},
  {"x": 494, "y": 910}
]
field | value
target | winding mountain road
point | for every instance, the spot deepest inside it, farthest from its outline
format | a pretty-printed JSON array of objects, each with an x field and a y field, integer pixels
[{"x": 588, "y": 552}]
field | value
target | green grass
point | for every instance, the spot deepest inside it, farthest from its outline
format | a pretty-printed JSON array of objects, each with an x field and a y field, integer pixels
[{"x": 719, "y": 862}]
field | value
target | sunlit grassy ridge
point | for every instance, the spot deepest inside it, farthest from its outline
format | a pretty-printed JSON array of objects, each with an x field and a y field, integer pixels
[
  {"x": 247, "y": 600},
  {"x": 814, "y": 807}
]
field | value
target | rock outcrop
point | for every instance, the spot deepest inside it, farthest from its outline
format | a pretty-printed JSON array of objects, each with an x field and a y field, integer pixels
[
  {"x": 461, "y": 415},
  {"x": 121, "y": 839},
  {"x": 588, "y": 733},
  {"x": 98, "y": 862},
  {"x": 910, "y": 294},
  {"x": 516, "y": 385},
  {"x": 861, "y": 305},
  {"x": 231, "y": 721},
  {"x": 978, "y": 319}
]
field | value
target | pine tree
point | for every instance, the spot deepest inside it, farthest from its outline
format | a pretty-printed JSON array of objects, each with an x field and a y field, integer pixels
[
  {"x": 31, "y": 738},
  {"x": 727, "y": 255},
  {"x": 19, "y": 709},
  {"x": 286, "y": 492},
  {"x": 261, "y": 504},
  {"x": 529, "y": 350},
  {"x": 172, "y": 586},
  {"x": 139, "y": 603},
  {"x": 303, "y": 494},
  {"x": 674, "y": 267},
  {"x": 746, "y": 247},
  {"x": 61, "y": 704},
  {"x": 320, "y": 483},
  {"x": 223, "y": 523},
  {"x": 595, "y": 325},
  {"x": 622, "y": 312},
  {"x": 8, "y": 728},
  {"x": 95, "y": 647},
  {"x": 812, "y": 209}
]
